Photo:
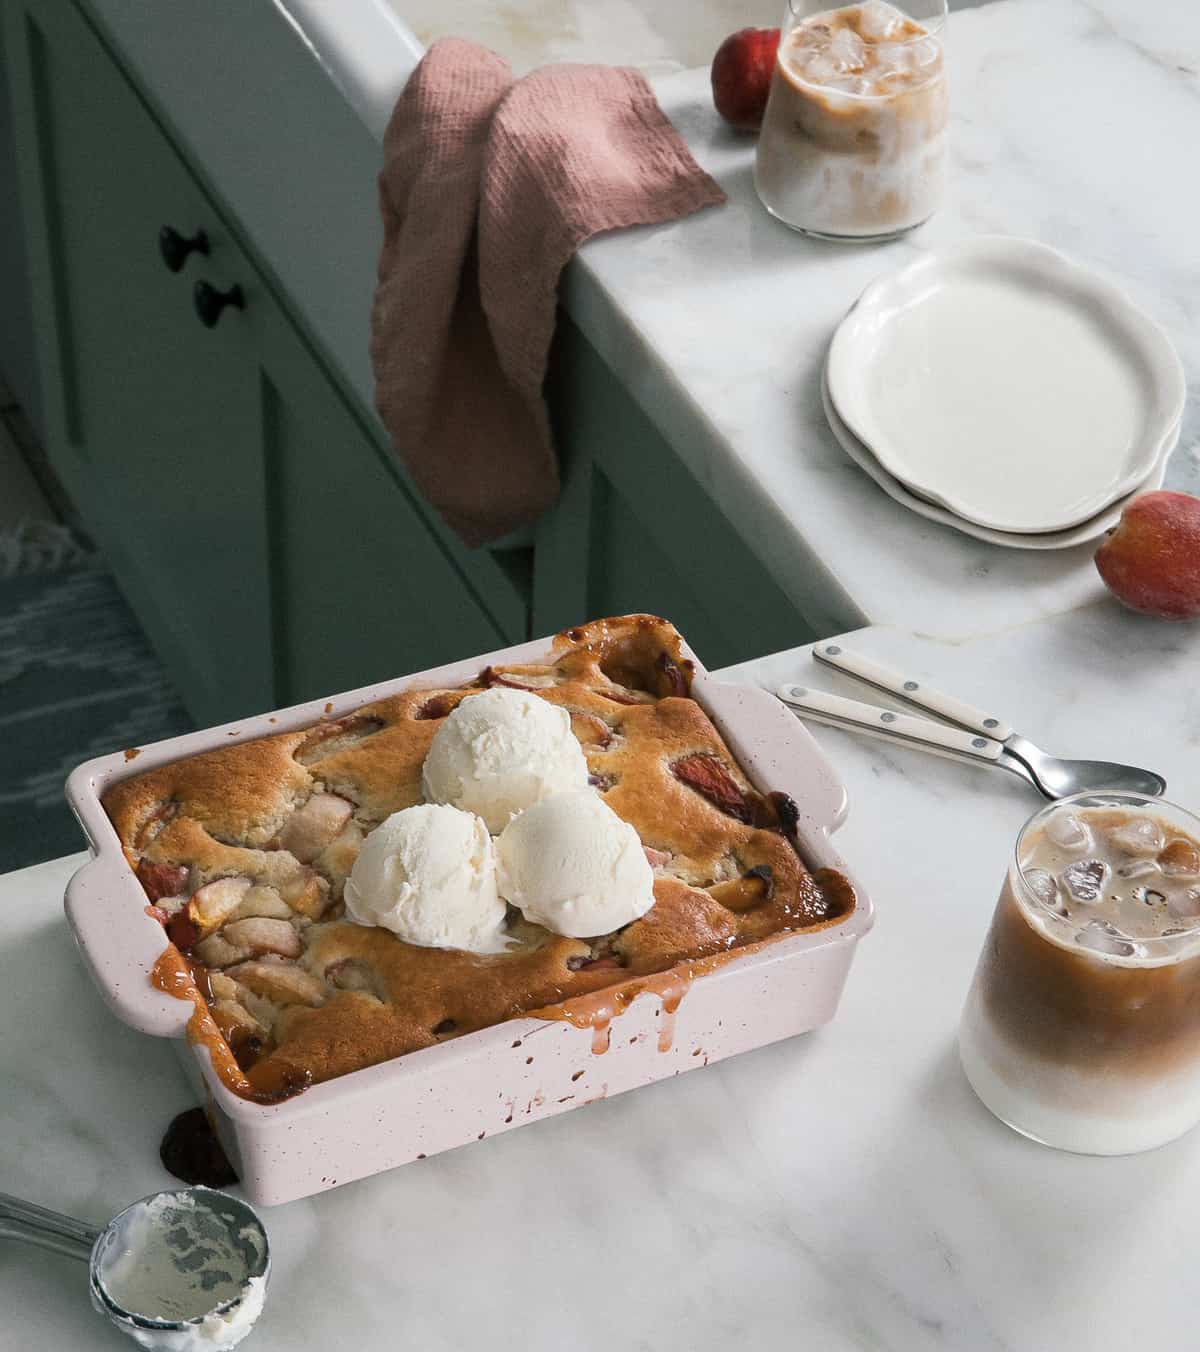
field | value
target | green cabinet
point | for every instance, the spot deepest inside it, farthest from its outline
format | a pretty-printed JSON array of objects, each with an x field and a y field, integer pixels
[
  {"x": 270, "y": 547},
  {"x": 635, "y": 531},
  {"x": 254, "y": 515},
  {"x": 147, "y": 413}
]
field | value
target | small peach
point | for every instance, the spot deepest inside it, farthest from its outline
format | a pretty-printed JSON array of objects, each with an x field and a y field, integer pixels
[
  {"x": 741, "y": 76},
  {"x": 1151, "y": 561}
]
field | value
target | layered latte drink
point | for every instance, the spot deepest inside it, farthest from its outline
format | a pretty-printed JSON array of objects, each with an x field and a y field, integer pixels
[
  {"x": 1082, "y": 1027},
  {"x": 853, "y": 139}
]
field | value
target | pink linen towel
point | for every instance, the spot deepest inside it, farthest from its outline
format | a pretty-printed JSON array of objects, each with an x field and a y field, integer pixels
[{"x": 489, "y": 185}]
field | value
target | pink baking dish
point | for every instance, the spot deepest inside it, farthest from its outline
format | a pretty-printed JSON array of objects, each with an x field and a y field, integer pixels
[{"x": 501, "y": 1077}]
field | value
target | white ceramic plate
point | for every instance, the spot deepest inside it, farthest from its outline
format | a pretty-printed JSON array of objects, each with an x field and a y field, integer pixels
[
  {"x": 1089, "y": 530},
  {"x": 1007, "y": 383}
]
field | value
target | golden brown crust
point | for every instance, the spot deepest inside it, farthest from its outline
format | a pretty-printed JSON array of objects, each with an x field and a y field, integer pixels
[
  {"x": 239, "y": 793},
  {"x": 683, "y": 921},
  {"x": 726, "y": 874}
]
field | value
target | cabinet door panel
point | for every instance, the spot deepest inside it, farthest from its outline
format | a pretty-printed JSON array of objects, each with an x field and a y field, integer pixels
[
  {"x": 361, "y": 589},
  {"x": 635, "y": 531},
  {"x": 153, "y": 419}
]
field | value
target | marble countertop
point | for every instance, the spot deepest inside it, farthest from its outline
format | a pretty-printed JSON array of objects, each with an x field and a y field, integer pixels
[
  {"x": 1066, "y": 118},
  {"x": 841, "y": 1190}
]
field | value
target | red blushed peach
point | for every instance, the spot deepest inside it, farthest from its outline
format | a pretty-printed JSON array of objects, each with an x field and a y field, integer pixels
[
  {"x": 741, "y": 76},
  {"x": 1151, "y": 561}
]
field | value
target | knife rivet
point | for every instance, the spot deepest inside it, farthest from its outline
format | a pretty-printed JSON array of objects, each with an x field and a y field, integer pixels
[
  {"x": 833, "y": 650},
  {"x": 980, "y": 742},
  {"x": 991, "y": 722},
  {"x": 887, "y": 718},
  {"x": 798, "y": 692},
  {"x": 911, "y": 685}
]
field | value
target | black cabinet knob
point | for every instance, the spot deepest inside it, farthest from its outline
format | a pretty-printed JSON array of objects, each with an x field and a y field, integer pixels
[
  {"x": 210, "y": 302},
  {"x": 175, "y": 247}
]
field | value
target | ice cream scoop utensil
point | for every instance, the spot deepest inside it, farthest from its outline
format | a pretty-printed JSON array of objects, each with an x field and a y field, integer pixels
[{"x": 158, "y": 1239}]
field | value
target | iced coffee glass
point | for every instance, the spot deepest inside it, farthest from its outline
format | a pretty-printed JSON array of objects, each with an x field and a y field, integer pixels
[
  {"x": 853, "y": 141},
  {"x": 1082, "y": 1026}
]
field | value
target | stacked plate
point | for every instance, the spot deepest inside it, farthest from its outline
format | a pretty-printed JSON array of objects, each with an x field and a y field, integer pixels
[{"x": 1001, "y": 388}]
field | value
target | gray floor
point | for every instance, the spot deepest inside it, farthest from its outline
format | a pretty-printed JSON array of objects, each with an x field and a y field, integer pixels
[{"x": 77, "y": 676}]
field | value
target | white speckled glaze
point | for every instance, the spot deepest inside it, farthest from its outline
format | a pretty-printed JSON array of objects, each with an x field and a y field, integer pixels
[{"x": 500, "y": 1077}]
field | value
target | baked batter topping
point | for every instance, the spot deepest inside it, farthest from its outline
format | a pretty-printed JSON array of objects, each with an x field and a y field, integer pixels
[{"x": 244, "y": 853}]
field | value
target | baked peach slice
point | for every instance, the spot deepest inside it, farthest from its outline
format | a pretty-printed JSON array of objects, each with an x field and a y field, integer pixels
[
  {"x": 214, "y": 903},
  {"x": 589, "y": 730},
  {"x": 216, "y": 952},
  {"x": 313, "y": 825},
  {"x": 279, "y": 981},
  {"x": 260, "y": 934},
  {"x": 519, "y": 678},
  {"x": 710, "y": 779},
  {"x": 306, "y": 892},
  {"x": 745, "y": 893},
  {"x": 265, "y": 901}
]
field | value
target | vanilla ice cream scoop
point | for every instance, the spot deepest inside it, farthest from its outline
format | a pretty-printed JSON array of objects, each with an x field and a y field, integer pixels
[
  {"x": 500, "y": 752},
  {"x": 428, "y": 873},
  {"x": 571, "y": 864}
]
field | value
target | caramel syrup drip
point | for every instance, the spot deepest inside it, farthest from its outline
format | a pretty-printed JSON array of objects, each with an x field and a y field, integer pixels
[
  {"x": 598, "y": 1009},
  {"x": 666, "y": 1030},
  {"x": 173, "y": 975}
]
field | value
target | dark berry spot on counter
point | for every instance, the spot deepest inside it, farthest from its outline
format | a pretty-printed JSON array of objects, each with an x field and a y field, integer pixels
[{"x": 191, "y": 1152}]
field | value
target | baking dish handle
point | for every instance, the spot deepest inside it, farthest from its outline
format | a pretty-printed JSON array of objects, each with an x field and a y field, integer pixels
[
  {"x": 777, "y": 750},
  {"x": 120, "y": 944}
]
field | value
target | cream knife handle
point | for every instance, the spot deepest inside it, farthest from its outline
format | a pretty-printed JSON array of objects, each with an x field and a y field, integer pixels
[
  {"x": 839, "y": 712},
  {"x": 916, "y": 692}
]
